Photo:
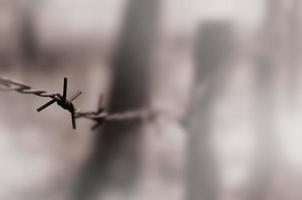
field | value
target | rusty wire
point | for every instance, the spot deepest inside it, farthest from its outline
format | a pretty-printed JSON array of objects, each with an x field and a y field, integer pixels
[{"x": 98, "y": 116}]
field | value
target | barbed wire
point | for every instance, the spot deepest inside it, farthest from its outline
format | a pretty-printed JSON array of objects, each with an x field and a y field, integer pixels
[{"x": 98, "y": 116}]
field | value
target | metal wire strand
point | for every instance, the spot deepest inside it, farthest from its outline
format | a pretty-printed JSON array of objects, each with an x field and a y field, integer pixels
[
  {"x": 137, "y": 114},
  {"x": 9, "y": 85}
]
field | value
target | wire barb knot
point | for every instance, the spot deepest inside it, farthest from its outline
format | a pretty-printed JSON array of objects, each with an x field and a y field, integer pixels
[{"x": 64, "y": 103}]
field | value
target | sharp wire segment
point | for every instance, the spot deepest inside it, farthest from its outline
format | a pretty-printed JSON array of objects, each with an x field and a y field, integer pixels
[{"x": 99, "y": 116}]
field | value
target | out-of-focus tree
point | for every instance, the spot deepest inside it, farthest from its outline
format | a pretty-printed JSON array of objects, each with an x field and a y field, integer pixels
[
  {"x": 265, "y": 160},
  {"x": 28, "y": 37},
  {"x": 114, "y": 162},
  {"x": 273, "y": 51},
  {"x": 214, "y": 45},
  {"x": 281, "y": 34}
]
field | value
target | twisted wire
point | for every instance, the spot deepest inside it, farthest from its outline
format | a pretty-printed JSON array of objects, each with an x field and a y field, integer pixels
[
  {"x": 136, "y": 114},
  {"x": 10, "y": 85}
]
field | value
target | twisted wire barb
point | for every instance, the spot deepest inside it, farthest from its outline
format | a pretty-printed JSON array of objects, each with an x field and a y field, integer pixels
[{"x": 10, "y": 85}]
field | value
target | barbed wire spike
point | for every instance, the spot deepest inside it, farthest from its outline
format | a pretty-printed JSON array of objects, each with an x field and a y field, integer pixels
[{"x": 64, "y": 103}]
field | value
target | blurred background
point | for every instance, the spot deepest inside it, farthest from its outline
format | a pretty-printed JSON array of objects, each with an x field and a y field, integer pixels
[{"x": 221, "y": 76}]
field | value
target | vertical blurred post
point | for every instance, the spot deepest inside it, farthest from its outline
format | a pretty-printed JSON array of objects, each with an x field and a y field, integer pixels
[
  {"x": 282, "y": 31},
  {"x": 266, "y": 155},
  {"x": 267, "y": 62},
  {"x": 213, "y": 49},
  {"x": 113, "y": 165},
  {"x": 28, "y": 40},
  {"x": 294, "y": 37}
]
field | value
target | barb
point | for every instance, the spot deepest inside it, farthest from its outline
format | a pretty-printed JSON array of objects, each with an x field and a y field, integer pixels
[{"x": 99, "y": 116}]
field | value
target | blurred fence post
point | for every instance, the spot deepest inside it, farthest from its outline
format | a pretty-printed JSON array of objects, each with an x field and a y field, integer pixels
[
  {"x": 213, "y": 47},
  {"x": 265, "y": 155},
  {"x": 271, "y": 63},
  {"x": 282, "y": 32},
  {"x": 114, "y": 163},
  {"x": 28, "y": 37}
]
